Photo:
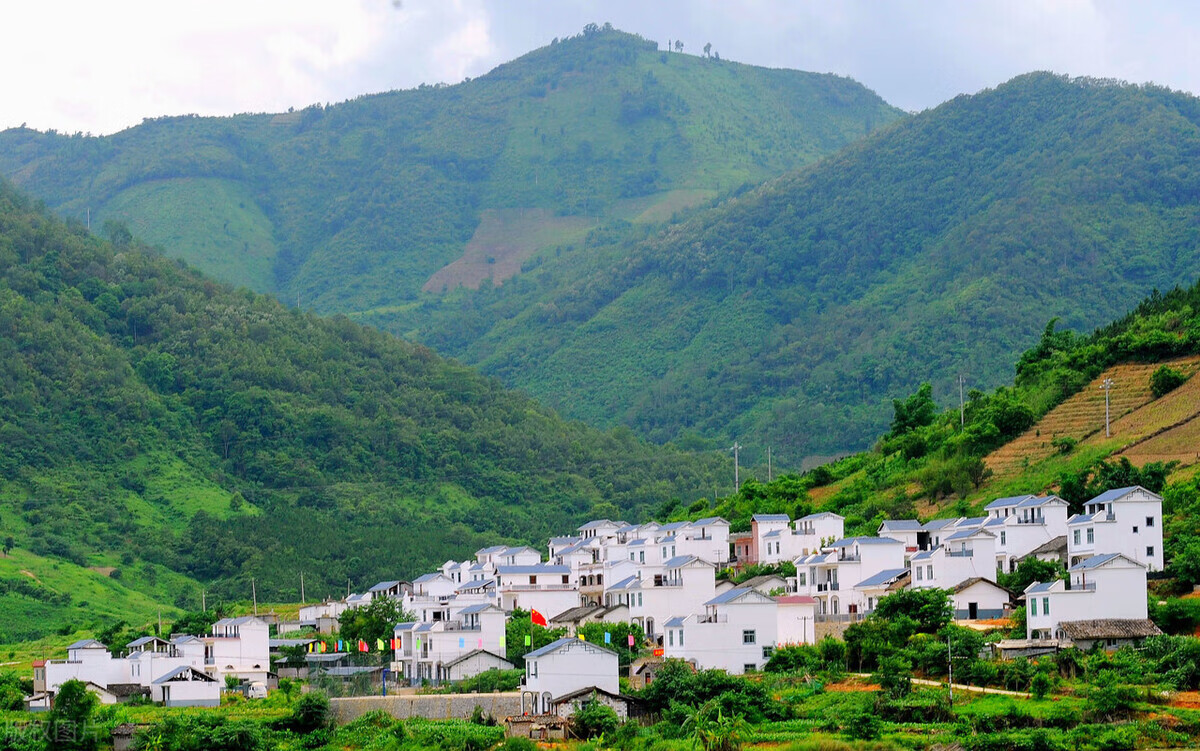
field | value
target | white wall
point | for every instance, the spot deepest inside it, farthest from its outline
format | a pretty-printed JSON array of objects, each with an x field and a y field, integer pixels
[{"x": 576, "y": 665}]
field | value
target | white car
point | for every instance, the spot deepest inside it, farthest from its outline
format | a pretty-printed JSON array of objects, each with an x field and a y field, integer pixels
[{"x": 256, "y": 690}]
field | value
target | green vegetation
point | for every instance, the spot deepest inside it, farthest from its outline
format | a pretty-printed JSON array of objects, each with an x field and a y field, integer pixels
[
  {"x": 792, "y": 315},
  {"x": 165, "y": 434},
  {"x": 354, "y": 206}
]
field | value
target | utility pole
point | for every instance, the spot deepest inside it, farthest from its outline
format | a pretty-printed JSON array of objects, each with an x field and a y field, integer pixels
[
  {"x": 1108, "y": 387},
  {"x": 203, "y": 601},
  {"x": 768, "y": 463},
  {"x": 254, "y": 595},
  {"x": 962, "y": 405},
  {"x": 949, "y": 669},
  {"x": 735, "y": 448},
  {"x": 301, "y": 586}
]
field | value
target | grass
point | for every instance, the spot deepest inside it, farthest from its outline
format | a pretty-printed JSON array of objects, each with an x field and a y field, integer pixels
[{"x": 212, "y": 224}]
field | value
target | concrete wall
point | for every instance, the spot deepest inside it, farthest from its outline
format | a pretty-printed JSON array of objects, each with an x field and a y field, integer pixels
[{"x": 432, "y": 707}]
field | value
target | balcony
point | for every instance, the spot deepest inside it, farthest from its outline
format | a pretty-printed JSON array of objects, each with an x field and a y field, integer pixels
[
  {"x": 960, "y": 553},
  {"x": 827, "y": 587},
  {"x": 456, "y": 626},
  {"x": 1085, "y": 587},
  {"x": 849, "y": 557},
  {"x": 713, "y": 618},
  {"x": 559, "y": 587},
  {"x": 1040, "y": 520},
  {"x": 839, "y": 617}
]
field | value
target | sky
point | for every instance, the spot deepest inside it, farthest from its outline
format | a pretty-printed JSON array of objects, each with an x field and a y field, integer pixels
[{"x": 99, "y": 67}]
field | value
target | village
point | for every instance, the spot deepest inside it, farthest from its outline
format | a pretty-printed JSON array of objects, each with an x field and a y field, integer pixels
[{"x": 664, "y": 578}]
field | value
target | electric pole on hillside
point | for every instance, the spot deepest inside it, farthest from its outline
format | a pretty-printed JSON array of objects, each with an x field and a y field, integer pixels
[
  {"x": 735, "y": 448},
  {"x": 768, "y": 463},
  {"x": 254, "y": 595},
  {"x": 301, "y": 586},
  {"x": 962, "y": 405},
  {"x": 1108, "y": 387}
]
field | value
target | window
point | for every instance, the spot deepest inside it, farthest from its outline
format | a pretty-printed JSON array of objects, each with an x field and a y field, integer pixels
[
  {"x": 681, "y": 637},
  {"x": 533, "y": 668},
  {"x": 929, "y": 572},
  {"x": 749, "y": 667},
  {"x": 664, "y": 554},
  {"x": 1045, "y": 606},
  {"x": 1149, "y": 521},
  {"x": 639, "y": 599},
  {"x": 642, "y": 556},
  {"x": 670, "y": 638},
  {"x": 749, "y": 636},
  {"x": 1091, "y": 535},
  {"x": 1135, "y": 529},
  {"x": 1033, "y": 606},
  {"x": 919, "y": 575},
  {"x": 1003, "y": 537},
  {"x": 533, "y": 580},
  {"x": 800, "y": 579},
  {"x": 767, "y": 652},
  {"x": 1075, "y": 537},
  {"x": 1150, "y": 551}
]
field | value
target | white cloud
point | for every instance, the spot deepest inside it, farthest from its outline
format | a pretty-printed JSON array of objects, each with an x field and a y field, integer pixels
[{"x": 75, "y": 65}]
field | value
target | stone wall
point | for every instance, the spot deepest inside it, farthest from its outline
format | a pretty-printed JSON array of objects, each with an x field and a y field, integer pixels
[{"x": 432, "y": 707}]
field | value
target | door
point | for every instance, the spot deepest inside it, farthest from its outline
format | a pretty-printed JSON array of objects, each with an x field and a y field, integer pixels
[{"x": 972, "y": 610}]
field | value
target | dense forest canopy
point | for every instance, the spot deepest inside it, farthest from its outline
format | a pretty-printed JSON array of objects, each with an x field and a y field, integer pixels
[
  {"x": 792, "y": 315},
  {"x": 149, "y": 414}
]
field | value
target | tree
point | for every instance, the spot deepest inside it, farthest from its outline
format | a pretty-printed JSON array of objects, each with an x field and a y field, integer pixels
[
  {"x": 917, "y": 411},
  {"x": 117, "y": 233},
  {"x": 520, "y": 626},
  {"x": 9, "y": 544},
  {"x": 68, "y": 721},
  {"x": 707, "y": 48},
  {"x": 929, "y": 608},
  {"x": 895, "y": 675},
  {"x": 374, "y": 621},
  {"x": 618, "y": 640},
  {"x": 678, "y": 46},
  {"x": 1029, "y": 571}
]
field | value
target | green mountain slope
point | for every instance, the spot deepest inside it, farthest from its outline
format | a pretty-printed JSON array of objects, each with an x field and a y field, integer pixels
[
  {"x": 790, "y": 315},
  {"x": 174, "y": 434},
  {"x": 357, "y": 206}
]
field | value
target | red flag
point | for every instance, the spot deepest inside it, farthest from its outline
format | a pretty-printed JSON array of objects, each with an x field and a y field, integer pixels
[
  {"x": 362, "y": 646},
  {"x": 537, "y": 618}
]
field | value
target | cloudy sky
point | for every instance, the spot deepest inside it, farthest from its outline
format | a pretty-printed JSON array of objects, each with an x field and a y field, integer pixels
[{"x": 101, "y": 66}]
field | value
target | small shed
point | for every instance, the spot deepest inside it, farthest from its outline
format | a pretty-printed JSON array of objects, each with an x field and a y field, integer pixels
[
  {"x": 473, "y": 663},
  {"x": 541, "y": 727}
]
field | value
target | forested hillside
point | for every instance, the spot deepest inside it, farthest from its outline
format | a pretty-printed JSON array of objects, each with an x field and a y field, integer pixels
[
  {"x": 791, "y": 315},
  {"x": 162, "y": 428},
  {"x": 357, "y": 206}
]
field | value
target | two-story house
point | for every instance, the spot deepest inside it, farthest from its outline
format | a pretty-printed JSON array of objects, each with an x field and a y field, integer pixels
[
  {"x": 1124, "y": 520},
  {"x": 736, "y": 632},
  {"x": 1104, "y": 601}
]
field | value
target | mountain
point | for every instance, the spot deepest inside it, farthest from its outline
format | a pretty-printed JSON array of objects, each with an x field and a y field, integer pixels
[
  {"x": 358, "y": 206},
  {"x": 790, "y": 315},
  {"x": 170, "y": 434}
]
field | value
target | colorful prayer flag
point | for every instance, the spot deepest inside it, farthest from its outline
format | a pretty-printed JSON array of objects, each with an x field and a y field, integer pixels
[
  {"x": 528, "y": 640},
  {"x": 362, "y": 646},
  {"x": 339, "y": 645},
  {"x": 481, "y": 643},
  {"x": 379, "y": 644},
  {"x": 631, "y": 640},
  {"x": 462, "y": 643},
  {"x": 607, "y": 638}
]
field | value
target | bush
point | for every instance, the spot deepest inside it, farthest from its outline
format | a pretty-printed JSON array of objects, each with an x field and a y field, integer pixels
[
  {"x": 1165, "y": 380},
  {"x": 860, "y": 723},
  {"x": 594, "y": 719},
  {"x": 311, "y": 713}
]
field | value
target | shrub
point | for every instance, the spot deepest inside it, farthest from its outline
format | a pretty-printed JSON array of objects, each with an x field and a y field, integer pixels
[
  {"x": 311, "y": 713},
  {"x": 594, "y": 719},
  {"x": 1165, "y": 380}
]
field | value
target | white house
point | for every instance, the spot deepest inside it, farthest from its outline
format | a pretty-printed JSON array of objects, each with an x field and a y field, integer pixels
[
  {"x": 830, "y": 576},
  {"x": 685, "y": 581},
  {"x": 566, "y": 666},
  {"x": 473, "y": 663},
  {"x": 737, "y": 632},
  {"x": 796, "y": 621},
  {"x": 1104, "y": 588},
  {"x": 966, "y": 553},
  {"x": 978, "y": 598},
  {"x": 907, "y": 531},
  {"x": 240, "y": 647},
  {"x": 880, "y": 585},
  {"x": 543, "y": 587},
  {"x": 430, "y": 651},
  {"x": 186, "y": 686},
  {"x": 1023, "y": 524},
  {"x": 1124, "y": 520}
]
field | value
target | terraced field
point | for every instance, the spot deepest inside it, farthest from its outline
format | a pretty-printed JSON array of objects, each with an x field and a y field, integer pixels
[{"x": 1082, "y": 416}]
